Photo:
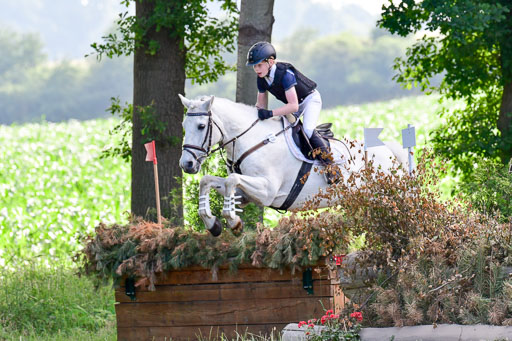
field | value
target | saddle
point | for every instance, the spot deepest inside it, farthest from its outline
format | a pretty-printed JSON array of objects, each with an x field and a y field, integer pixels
[{"x": 302, "y": 141}]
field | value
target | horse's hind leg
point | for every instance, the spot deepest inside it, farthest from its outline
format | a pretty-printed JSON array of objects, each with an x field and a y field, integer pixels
[
  {"x": 257, "y": 189},
  {"x": 211, "y": 222}
]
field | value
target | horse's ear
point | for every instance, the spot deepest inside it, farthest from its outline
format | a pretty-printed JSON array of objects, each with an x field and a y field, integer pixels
[
  {"x": 184, "y": 100},
  {"x": 209, "y": 103}
]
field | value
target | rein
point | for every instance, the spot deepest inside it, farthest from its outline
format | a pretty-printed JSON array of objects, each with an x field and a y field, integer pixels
[
  {"x": 234, "y": 166},
  {"x": 208, "y": 137}
]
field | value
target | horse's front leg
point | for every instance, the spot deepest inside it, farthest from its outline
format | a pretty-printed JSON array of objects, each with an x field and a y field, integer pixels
[
  {"x": 257, "y": 189},
  {"x": 211, "y": 222}
]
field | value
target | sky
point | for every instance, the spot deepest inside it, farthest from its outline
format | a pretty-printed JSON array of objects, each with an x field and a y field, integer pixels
[
  {"x": 68, "y": 27},
  {"x": 371, "y": 6}
]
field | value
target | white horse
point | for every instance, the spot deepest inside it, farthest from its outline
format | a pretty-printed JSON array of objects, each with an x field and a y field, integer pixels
[{"x": 269, "y": 172}]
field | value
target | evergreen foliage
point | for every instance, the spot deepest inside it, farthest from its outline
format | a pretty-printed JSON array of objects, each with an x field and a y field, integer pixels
[{"x": 142, "y": 249}]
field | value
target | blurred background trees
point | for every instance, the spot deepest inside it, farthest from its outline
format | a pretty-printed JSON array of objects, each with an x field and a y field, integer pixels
[{"x": 341, "y": 50}]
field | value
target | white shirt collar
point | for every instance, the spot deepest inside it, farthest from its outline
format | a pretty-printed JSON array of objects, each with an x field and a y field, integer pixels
[{"x": 271, "y": 74}]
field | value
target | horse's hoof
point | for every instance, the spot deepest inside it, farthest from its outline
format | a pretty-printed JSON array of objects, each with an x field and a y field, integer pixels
[
  {"x": 238, "y": 228},
  {"x": 216, "y": 228}
]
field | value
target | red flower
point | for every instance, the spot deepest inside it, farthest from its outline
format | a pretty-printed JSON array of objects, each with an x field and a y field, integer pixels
[
  {"x": 335, "y": 316},
  {"x": 302, "y": 323},
  {"x": 311, "y": 325},
  {"x": 324, "y": 319},
  {"x": 329, "y": 312},
  {"x": 357, "y": 315},
  {"x": 311, "y": 321}
]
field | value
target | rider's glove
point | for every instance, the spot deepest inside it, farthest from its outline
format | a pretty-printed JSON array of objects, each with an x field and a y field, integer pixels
[{"x": 263, "y": 114}]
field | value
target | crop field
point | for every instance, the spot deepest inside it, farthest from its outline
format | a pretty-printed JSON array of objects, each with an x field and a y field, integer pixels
[
  {"x": 54, "y": 187},
  {"x": 393, "y": 116}
]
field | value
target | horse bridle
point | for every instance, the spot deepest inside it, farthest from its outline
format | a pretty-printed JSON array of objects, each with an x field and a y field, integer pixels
[{"x": 208, "y": 137}]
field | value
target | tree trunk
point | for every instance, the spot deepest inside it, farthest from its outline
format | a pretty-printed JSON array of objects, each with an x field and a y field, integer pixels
[
  {"x": 505, "y": 116},
  {"x": 157, "y": 81},
  {"x": 256, "y": 20},
  {"x": 255, "y": 24},
  {"x": 505, "y": 122}
]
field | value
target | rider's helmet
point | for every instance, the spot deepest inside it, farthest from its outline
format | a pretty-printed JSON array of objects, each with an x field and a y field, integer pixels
[{"x": 259, "y": 52}]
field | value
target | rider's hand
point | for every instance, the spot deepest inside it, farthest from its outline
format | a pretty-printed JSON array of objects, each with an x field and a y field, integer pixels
[{"x": 263, "y": 114}]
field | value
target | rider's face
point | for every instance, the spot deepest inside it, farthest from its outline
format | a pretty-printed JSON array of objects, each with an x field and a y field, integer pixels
[{"x": 262, "y": 68}]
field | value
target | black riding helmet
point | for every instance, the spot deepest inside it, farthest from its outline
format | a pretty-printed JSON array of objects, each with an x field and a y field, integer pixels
[{"x": 259, "y": 52}]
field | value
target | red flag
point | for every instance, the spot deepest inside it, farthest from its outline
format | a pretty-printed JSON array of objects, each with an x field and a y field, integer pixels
[{"x": 151, "y": 155}]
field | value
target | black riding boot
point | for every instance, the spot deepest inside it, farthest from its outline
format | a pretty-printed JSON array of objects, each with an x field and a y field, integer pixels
[{"x": 322, "y": 153}]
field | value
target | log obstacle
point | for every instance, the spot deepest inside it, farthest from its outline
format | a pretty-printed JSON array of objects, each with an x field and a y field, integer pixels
[{"x": 191, "y": 303}]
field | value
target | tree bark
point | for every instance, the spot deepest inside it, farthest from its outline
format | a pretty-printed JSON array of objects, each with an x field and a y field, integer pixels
[
  {"x": 157, "y": 81},
  {"x": 505, "y": 115},
  {"x": 505, "y": 122},
  {"x": 255, "y": 24}
]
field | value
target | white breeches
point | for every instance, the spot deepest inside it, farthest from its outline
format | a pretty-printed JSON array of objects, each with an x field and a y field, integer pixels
[{"x": 310, "y": 109}]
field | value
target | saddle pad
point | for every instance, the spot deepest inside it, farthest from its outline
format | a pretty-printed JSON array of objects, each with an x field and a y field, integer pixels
[{"x": 340, "y": 153}]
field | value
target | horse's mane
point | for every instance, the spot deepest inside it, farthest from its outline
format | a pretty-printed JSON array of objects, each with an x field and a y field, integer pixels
[{"x": 226, "y": 103}]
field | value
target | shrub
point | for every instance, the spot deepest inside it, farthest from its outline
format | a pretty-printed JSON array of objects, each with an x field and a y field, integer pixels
[
  {"x": 440, "y": 262},
  {"x": 489, "y": 189}
]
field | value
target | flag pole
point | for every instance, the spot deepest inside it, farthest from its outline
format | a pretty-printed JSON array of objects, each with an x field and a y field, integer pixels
[
  {"x": 151, "y": 156},
  {"x": 157, "y": 191}
]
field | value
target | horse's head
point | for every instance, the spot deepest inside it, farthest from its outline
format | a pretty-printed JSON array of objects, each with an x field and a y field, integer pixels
[{"x": 201, "y": 133}]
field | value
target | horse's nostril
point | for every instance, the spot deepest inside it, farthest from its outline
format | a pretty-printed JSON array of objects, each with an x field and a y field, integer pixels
[{"x": 190, "y": 164}]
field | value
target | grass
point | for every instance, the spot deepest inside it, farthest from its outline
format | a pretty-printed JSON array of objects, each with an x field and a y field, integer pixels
[{"x": 38, "y": 302}]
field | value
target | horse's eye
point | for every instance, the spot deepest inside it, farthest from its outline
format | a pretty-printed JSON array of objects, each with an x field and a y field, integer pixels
[{"x": 201, "y": 126}]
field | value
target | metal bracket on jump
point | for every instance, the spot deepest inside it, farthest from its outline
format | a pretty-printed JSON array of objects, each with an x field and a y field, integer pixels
[
  {"x": 129, "y": 284},
  {"x": 307, "y": 281}
]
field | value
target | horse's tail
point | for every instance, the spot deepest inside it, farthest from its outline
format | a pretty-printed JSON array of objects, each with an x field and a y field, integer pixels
[{"x": 399, "y": 152}]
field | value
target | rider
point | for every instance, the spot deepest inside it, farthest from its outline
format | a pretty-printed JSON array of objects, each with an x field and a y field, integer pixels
[{"x": 294, "y": 89}]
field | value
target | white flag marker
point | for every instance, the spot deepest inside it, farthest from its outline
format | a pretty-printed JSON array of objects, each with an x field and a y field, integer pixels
[
  {"x": 409, "y": 141},
  {"x": 371, "y": 138}
]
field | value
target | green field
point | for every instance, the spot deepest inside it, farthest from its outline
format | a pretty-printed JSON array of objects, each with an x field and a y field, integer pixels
[{"x": 54, "y": 188}]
